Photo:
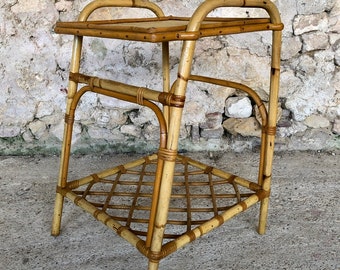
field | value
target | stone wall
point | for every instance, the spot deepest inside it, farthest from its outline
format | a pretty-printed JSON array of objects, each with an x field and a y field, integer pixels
[{"x": 34, "y": 71}]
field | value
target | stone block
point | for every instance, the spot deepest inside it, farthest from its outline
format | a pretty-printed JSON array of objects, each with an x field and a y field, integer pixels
[
  {"x": 238, "y": 107},
  {"x": 151, "y": 133},
  {"x": 315, "y": 41},
  {"x": 213, "y": 121},
  {"x": 58, "y": 131},
  {"x": 195, "y": 133},
  {"x": 9, "y": 131},
  {"x": 316, "y": 121},
  {"x": 44, "y": 109},
  {"x": 142, "y": 116},
  {"x": 131, "y": 130},
  {"x": 37, "y": 128},
  {"x": 295, "y": 46},
  {"x": 336, "y": 48},
  {"x": 336, "y": 126},
  {"x": 289, "y": 83},
  {"x": 245, "y": 127},
  {"x": 23, "y": 6},
  {"x": 308, "y": 23},
  {"x": 212, "y": 133},
  {"x": 295, "y": 127}
]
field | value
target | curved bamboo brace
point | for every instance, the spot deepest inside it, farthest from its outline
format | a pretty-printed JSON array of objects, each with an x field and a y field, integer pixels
[
  {"x": 87, "y": 10},
  {"x": 262, "y": 110},
  {"x": 121, "y": 96},
  {"x": 163, "y": 139},
  {"x": 239, "y": 86}
]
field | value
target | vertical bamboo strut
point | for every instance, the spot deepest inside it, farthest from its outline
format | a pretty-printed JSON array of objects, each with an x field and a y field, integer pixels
[
  {"x": 166, "y": 76},
  {"x": 271, "y": 126},
  {"x": 65, "y": 154}
]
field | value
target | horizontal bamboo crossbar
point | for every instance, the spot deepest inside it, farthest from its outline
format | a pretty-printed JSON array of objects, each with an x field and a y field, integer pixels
[{"x": 104, "y": 86}]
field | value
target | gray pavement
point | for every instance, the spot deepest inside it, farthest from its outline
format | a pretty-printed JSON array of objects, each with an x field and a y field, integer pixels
[{"x": 303, "y": 228}]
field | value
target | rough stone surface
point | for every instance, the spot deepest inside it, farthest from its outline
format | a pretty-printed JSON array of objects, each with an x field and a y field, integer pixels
[{"x": 34, "y": 67}]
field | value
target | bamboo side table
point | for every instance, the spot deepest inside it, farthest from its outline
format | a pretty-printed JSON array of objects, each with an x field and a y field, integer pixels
[{"x": 155, "y": 203}]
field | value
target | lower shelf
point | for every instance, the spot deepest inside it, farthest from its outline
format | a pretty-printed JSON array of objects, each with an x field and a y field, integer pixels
[{"x": 199, "y": 194}]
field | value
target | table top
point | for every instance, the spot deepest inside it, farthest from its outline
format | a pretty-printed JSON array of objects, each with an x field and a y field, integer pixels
[{"x": 163, "y": 29}]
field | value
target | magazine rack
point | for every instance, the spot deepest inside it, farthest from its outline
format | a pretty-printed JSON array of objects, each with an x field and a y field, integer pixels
[{"x": 164, "y": 201}]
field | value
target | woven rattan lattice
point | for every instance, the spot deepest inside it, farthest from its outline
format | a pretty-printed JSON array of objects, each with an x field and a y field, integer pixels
[{"x": 199, "y": 193}]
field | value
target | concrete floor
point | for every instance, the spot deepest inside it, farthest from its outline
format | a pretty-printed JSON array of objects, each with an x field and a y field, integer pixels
[{"x": 303, "y": 228}]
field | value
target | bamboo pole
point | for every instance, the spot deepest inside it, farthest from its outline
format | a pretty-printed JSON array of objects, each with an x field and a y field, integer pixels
[
  {"x": 166, "y": 77},
  {"x": 271, "y": 128},
  {"x": 68, "y": 126}
]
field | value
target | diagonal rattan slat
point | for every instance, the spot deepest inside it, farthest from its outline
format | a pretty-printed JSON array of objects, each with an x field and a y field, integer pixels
[{"x": 164, "y": 201}]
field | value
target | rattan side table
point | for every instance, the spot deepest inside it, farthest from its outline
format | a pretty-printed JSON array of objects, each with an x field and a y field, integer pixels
[{"x": 155, "y": 202}]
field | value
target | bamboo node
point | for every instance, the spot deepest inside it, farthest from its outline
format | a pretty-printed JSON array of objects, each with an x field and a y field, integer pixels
[
  {"x": 107, "y": 220},
  {"x": 219, "y": 219},
  {"x": 159, "y": 226},
  {"x": 77, "y": 201},
  {"x": 179, "y": 76},
  {"x": 192, "y": 236},
  {"x": 96, "y": 213},
  {"x": 121, "y": 229},
  {"x": 201, "y": 230},
  {"x": 254, "y": 186},
  {"x": 243, "y": 205}
]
